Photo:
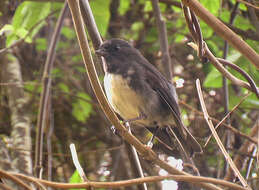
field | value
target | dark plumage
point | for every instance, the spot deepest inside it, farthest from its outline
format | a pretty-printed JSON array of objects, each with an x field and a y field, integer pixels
[{"x": 136, "y": 88}]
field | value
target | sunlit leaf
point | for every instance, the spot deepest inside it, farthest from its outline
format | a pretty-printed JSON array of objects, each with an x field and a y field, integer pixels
[
  {"x": 81, "y": 107},
  {"x": 75, "y": 178},
  {"x": 41, "y": 44},
  {"x": 213, "y": 79},
  {"x": 27, "y": 18},
  {"x": 124, "y": 6},
  {"x": 101, "y": 14}
]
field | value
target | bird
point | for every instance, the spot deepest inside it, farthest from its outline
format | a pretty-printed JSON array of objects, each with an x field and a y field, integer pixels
[{"x": 140, "y": 94}]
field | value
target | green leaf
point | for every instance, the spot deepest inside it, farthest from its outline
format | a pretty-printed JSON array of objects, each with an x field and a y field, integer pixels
[
  {"x": 213, "y": 6},
  {"x": 75, "y": 178},
  {"x": 82, "y": 108},
  {"x": 80, "y": 69},
  {"x": 68, "y": 32},
  {"x": 148, "y": 6},
  {"x": 124, "y": 6},
  {"x": 6, "y": 28},
  {"x": 77, "y": 58},
  {"x": 27, "y": 17},
  {"x": 242, "y": 23},
  {"x": 234, "y": 56},
  {"x": 213, "y": 79},
  {"x": 101, "y": 14},
  {"x": 41, "y": 44},
  {"x": 10, "y": 39},
  {"x": 63, "y": 87},
  {"x": 206, "y": 30}
]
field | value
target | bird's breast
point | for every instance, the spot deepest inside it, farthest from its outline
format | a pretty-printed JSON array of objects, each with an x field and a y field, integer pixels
[{"x": 124, "y": 100}]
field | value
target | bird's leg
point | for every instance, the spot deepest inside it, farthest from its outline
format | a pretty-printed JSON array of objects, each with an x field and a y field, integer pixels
[
  {"x": 150, "y": 142},
  {"x": 127, "y": 122}
]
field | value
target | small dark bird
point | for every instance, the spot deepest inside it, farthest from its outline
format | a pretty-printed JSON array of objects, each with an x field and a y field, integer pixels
[{"x": 139, "y": 93}]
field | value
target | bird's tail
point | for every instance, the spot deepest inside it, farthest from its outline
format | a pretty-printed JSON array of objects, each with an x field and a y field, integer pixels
[{"x": 187, "y": 142}]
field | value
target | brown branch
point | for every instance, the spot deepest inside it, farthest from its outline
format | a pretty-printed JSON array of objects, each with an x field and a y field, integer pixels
[
  {"x": 125, "y": 183},
  {"x": 246, "y": 34},
  {"x": 227, "y": 115},
  {"x": 163, "y": 40},
  {"x": 221, "y": 146},
  {"x": 221, "y": 29},
  {"x": 88, "y": 61},
  {"x": 248, "y": 4},
  {"x": 253, "y": 17},
  {"x": 15, "y": 179},
  {"x": 173, "y": 3},
  {"x": 239, "y": 159},
  {"x": 46, "y": 80},
  {"x": 5, "y": 186},
  {"x": 229, "y": 127},
  {"x": 216, "y": 62},
  {"x": 255, "y": 89}
]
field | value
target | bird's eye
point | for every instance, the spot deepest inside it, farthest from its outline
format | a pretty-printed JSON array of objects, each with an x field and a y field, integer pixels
[{"x": 116, "y": 48}]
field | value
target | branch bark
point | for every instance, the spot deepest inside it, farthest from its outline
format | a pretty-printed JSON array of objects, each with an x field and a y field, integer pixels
[{"x": 222, "y": 30}]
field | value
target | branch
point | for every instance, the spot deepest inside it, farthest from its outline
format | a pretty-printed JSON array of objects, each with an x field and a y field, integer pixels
[
  {"x": 221, "y": 29},
  {"x": 125, "y": 183},
  {"x": 239, "y": 159},
  {"x": 162, "y": 34},
  {"x": 229, "y": 127},
  {"x": 227, "y": 115},
  {"x": 46, "y": 80},
  {"x": 217, "y": 63},
  {"x": 221, "y": 146},
  {"x": 15, "y": 179}
]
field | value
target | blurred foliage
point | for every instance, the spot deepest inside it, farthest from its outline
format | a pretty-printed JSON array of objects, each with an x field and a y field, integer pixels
[{"x": 78, "y": 117}]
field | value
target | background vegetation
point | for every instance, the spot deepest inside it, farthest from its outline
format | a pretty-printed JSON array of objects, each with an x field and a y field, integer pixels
[{"x": 74, "y": 115}]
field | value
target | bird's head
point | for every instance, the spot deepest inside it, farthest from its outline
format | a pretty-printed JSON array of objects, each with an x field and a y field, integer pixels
[{"x": 114, "y": 47}]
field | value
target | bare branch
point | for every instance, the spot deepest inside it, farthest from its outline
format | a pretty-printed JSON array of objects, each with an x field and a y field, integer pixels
[
  {"x": 125, "y": 183},
  {"x": 222, "y": 30},
  {"x": 46, "y": 80},
  {"x": 221, "y": 146},
  {"x": 162, "y": 34}
]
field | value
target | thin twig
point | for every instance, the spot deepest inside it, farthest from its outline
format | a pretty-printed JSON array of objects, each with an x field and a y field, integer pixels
[
  {"x": 248, "y": 4},
  {"x": 49, "y": 141},
  {"x": 14, "y": 179},
  {"x": 133, "y": 157},
  {"x": 77, "y": 163},
  {"x": 245, "y": 148},
  {"x": 216, "y": 62},
  {"x": 227, "y": 115},
  {"x": 162, "y": 34},
  {"x": 228, "y": 135},
  {"x": 229, "y": 127},
  {"x": 46, "y": 80},
  {"x": 221, "y": 146},
  {"x": 221, "y": 29},
  {"x": 243, "y": 73}
]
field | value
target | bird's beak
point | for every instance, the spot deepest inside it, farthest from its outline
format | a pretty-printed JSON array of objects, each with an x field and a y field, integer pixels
[{"x": 100, "y": 52}]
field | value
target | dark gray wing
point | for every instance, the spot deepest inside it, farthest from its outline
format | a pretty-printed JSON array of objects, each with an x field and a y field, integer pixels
[{"x": 166, "y": 91}]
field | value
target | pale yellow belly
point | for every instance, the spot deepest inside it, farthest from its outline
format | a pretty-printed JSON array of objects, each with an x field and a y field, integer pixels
[{"x": 122, "y": 98}]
